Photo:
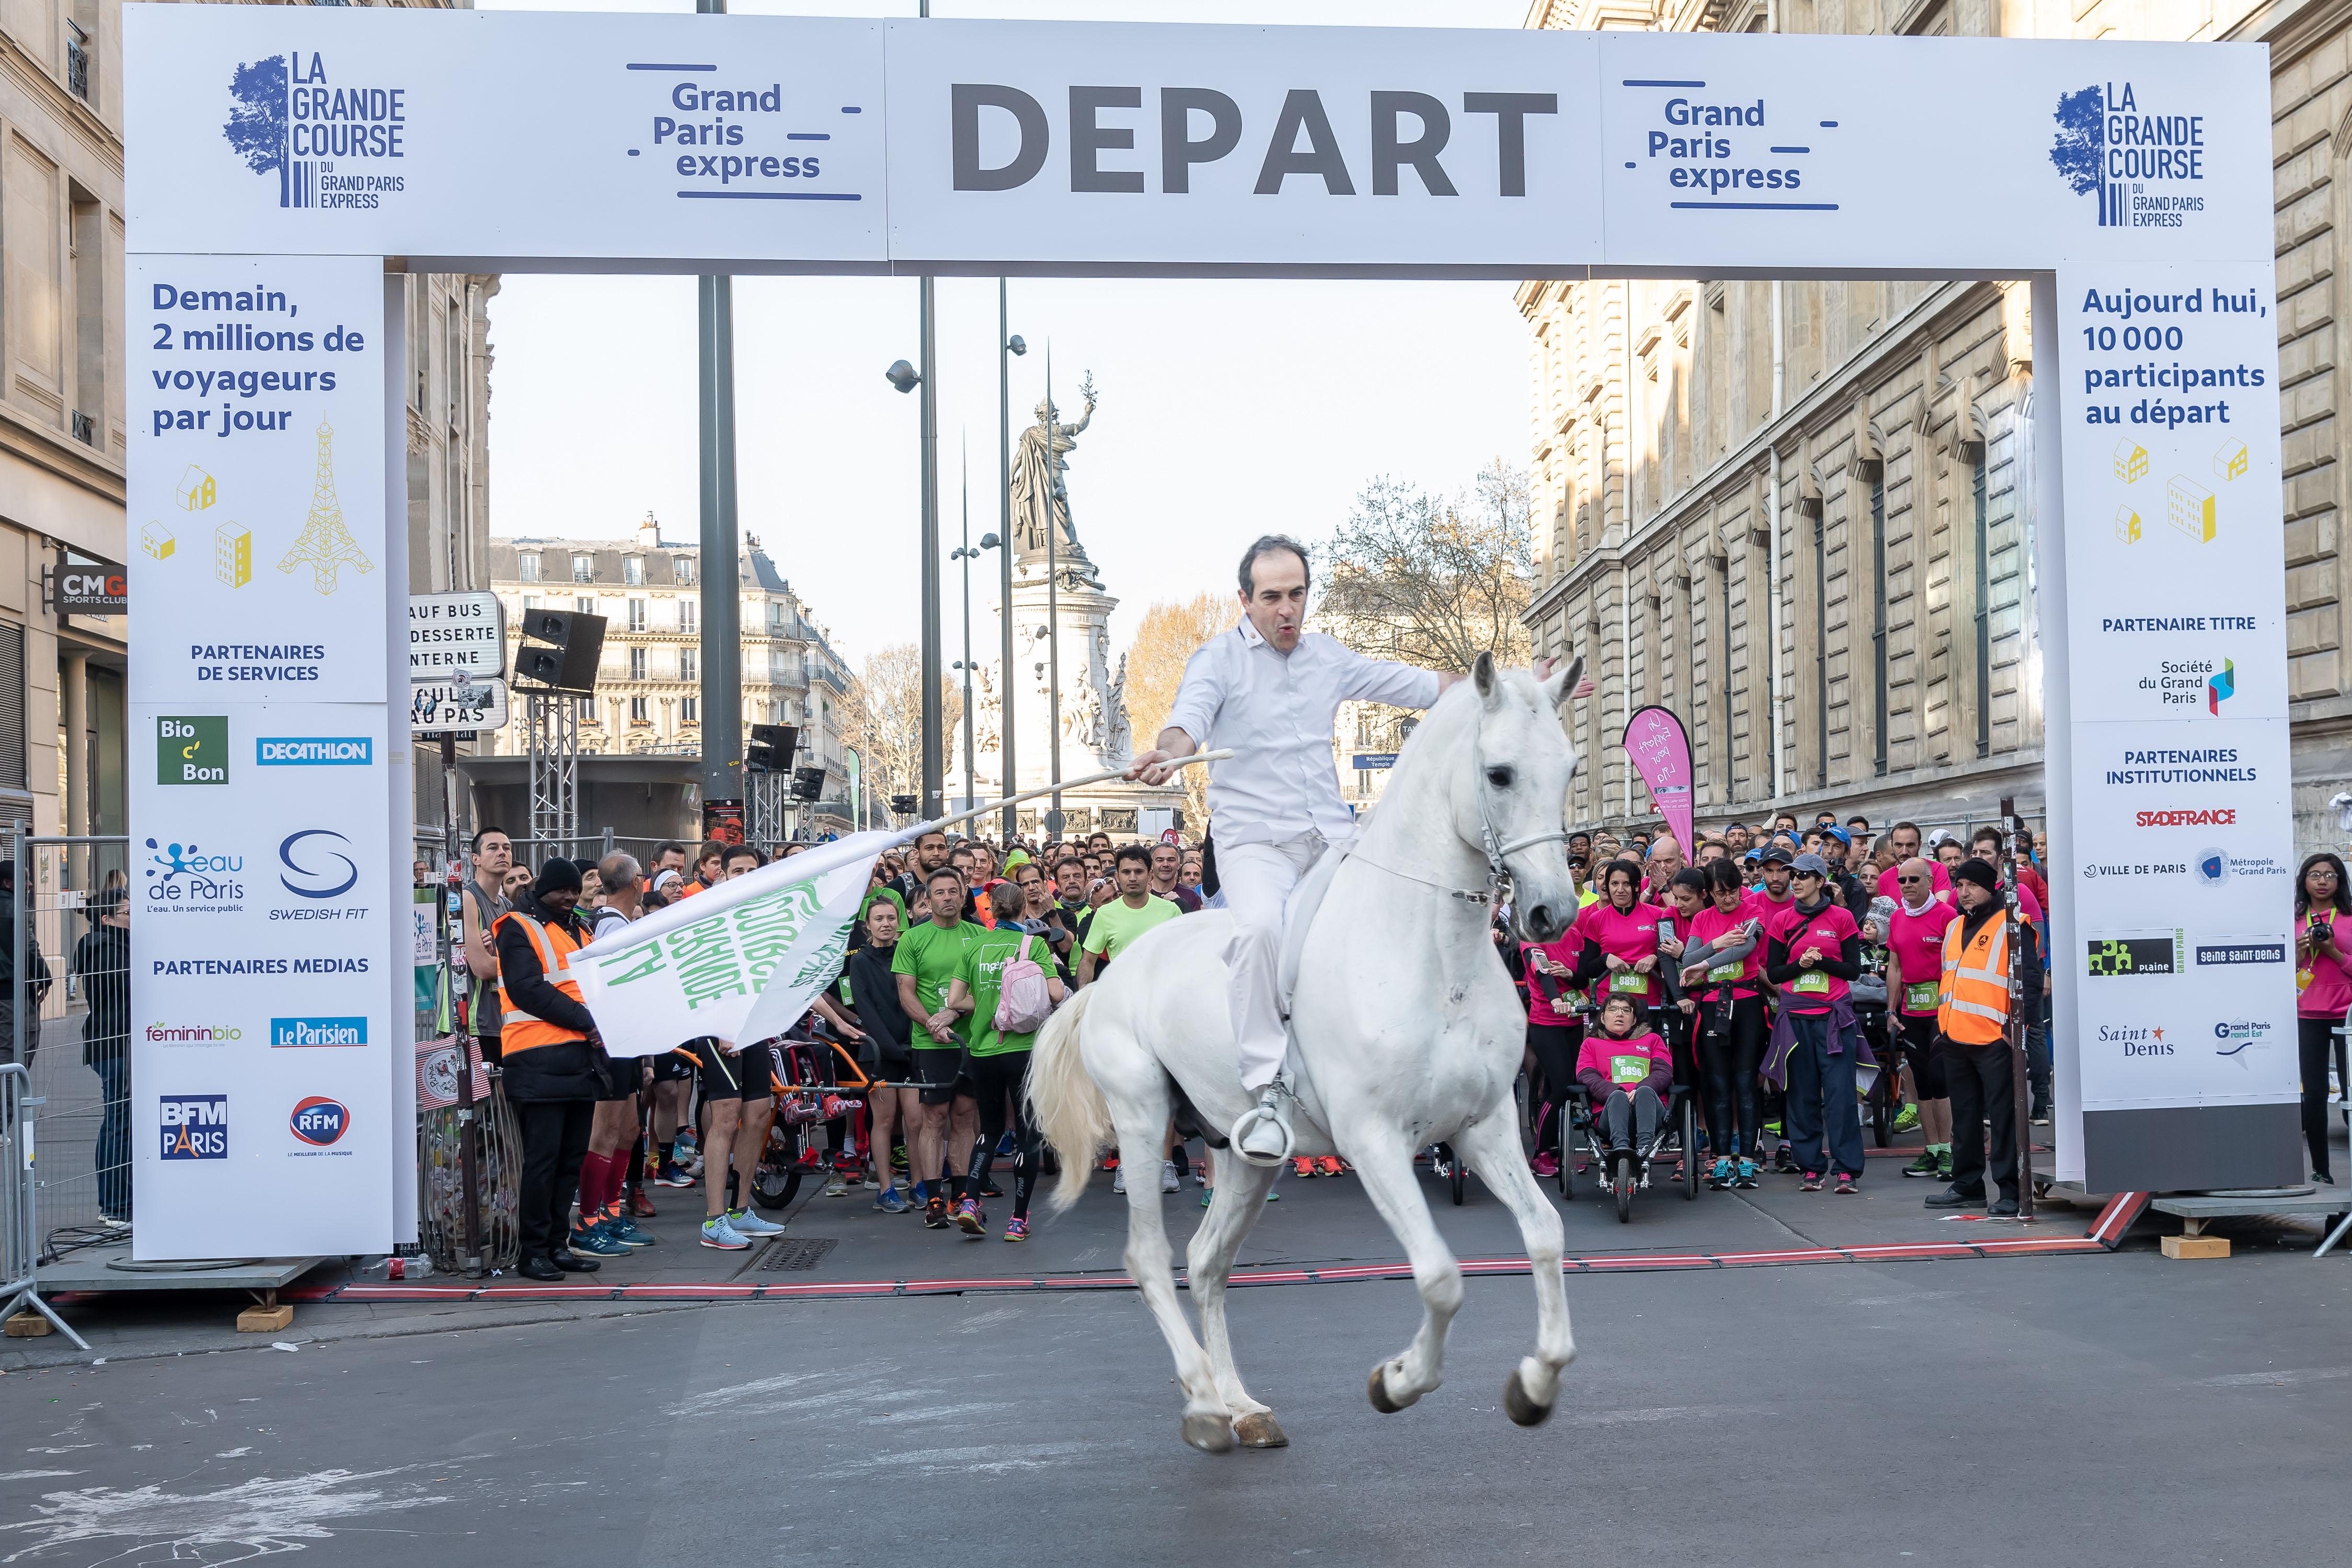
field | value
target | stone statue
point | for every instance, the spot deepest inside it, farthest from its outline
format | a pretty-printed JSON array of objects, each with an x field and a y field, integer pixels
[
  {"x": 1119, "y": 737},
  {"x": 1041, "y": 502},
  {"x": 1082, "y": 715},
  {"x": 987, "y": 712}
]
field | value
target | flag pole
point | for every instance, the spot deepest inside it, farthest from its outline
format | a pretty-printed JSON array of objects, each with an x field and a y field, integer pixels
[{"x": 942, "y": 824}]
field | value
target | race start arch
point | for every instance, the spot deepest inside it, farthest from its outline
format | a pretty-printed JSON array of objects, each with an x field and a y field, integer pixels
[{"x": 282, "y": 160}]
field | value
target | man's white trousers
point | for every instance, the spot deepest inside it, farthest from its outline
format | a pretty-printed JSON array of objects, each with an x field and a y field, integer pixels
[{"x": 1256, "y": 880}]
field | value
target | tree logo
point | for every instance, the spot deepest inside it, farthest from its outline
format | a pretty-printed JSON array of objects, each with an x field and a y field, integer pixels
[{"x": 258, "y": 126}]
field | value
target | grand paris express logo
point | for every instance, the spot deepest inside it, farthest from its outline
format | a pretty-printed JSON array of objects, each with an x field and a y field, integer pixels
[
  {"x": 331, "y": 142},
  {"x": 2144, "y": 162}
]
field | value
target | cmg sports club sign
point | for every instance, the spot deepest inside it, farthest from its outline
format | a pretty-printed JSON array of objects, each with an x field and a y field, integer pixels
[{"x": 276, "y": 156}]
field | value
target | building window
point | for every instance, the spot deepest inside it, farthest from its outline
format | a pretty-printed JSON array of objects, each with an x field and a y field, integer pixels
[
  {"x": 584, "y": 607},
  {"x": 632, "y": 569},
  {"x": 636, "y": 664},
  {"x": 688, "y": 711},
  {"x": 685, "y": 565},
  {"x": 13, "y": 770},
  {"x": 527, "y": 568},
  {"x": 640, "y": 710},
  {"x": 1878, "y": 619},
  {"x": 1984, "y": 608},
  {"x": 775, "y": 615},
  {"x": 637, "y": 615},
  {"x": 530, "y": 601},
  {"x": 689, "y": 665},
  {"x": 584, "y": 569},
  {"x": 686, "y": 614}
]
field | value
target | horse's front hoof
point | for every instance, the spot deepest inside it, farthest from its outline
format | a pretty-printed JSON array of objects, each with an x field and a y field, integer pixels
[
  {"x": 1210, "y": 1433},
  {"x": 1522, "y": 1410},
  {"x": 1380, "y": 1392},
  {"x": 1260, "y": 1430}
]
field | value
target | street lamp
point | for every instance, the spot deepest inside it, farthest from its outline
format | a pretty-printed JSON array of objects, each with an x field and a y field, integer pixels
[
  {"x": 905, "y": 377},
  {"x": 967, "y": 555},
  {"x": 1006, "y": 345}
]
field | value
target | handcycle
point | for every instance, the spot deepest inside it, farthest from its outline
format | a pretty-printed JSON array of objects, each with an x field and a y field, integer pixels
[{"x": 811, "y": 1096}]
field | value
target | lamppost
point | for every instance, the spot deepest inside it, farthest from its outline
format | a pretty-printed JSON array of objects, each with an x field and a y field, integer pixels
[
  {"x": 1053, "y": 818},
  {"x": 1006, "y": 345},
  {"x": 905, "y": 377},
  {"x": 967, "y": 555}
]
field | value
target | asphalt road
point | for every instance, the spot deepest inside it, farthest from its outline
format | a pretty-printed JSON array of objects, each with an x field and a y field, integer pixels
[{"x": 2114, "y": 1409}]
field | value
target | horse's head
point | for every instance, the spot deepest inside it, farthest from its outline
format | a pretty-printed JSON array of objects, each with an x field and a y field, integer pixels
[{"x": 1514, "y": 801}]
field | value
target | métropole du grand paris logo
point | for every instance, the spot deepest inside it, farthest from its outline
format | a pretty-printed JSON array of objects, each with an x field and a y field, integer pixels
[
  {"x": 2145, "y": 168},
  {"x": 331, "y": 143}
]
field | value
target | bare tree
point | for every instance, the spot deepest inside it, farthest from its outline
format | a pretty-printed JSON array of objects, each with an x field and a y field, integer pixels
[
  {"x": 1433, "y": 582},
  {"x": 886, "y": 720},
  {"x": 1168, "y": 633}
]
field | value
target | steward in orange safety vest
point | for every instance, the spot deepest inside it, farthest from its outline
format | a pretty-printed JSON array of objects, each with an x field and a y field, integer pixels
[
  {"x": 1972, "y": 1017},
  {"x": 547, "y": 1044}
]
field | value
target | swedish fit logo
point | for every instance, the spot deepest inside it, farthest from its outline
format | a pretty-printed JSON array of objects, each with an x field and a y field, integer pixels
[
  {"x": 2220, "y": 688},
  {"x": 2108, "y": 147},
  {"x": 287, "y": 120},
  {"x": 317, "y": 882}
]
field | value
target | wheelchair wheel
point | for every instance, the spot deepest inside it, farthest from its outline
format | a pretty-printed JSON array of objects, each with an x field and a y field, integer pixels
[
  {"x": 1621, "y": 1181},
  {"x": 1882, "y": 1112},
  {"x": 1567, "y": 1157},
  {"x": 1690, "y": 1149},
  {"x": 1454, "y": 1168}
]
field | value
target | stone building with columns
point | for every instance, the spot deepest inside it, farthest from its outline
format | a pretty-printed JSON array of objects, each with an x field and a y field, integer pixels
[{"x": 1798, "y": 513}]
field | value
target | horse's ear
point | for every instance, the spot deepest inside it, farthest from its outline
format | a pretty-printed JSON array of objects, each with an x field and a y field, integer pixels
[
  {"x": 1560, "y": 682},
  {"x": 1482, "y": 671}
]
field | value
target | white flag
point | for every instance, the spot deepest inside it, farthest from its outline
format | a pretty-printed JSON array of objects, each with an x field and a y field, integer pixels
[{"x": 739, "y": 962}]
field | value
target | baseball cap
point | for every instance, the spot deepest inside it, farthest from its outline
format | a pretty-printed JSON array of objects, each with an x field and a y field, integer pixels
[
  {"x": 1812, "y": 863},
  {"x": 1752, "y": 855},
  {"x": 1840, "y": 834},
  {"x": 1776, "y": 850}
]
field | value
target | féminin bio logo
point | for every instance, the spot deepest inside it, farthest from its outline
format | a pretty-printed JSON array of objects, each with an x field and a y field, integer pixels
[
  {"x": 2136, "y": 162},
  {"x": 326, "y": 142}
]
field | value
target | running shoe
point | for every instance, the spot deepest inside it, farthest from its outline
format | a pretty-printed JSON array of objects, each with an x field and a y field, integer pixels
[
  {"x": 672, "y": 1174},
  {"x": 1274, "y": 1194},
  {"x": 1747, "y": 1177},
  {"x": 746, "y": 1223},
  {"x": 1208, "y": 1194},
  {"x": 1117, "y": 1179},
  {"x": 1846, "y": 1184},
  {"x": 1944, "y": 1165},
  {"x": 1773, "y": 1128},
  {"x": 596, "y": 1241},
  {"x": 1908, "y": 1118},
  {"x": 988, "y": 1189},
  {"x": 1110, "y": 1161},
  {"x": 1722, "y": 1176},
  {"x": 717, "y": 1233},
  {"x": 836, "y": 1185},
  {"x": 1007, "y": 1146},
  {"x": 1303, "y": 1166},
  {"x": 892, "y": 1200},
  {"x": 935, "y": 1213},
  {"x": 1925, "y": 1164},
  {"x": 1330, "y": 1165},
  {"x": 970, "y": 1217},
  {"x": 1811, "y": 1184},
  {"x": 1170, "y": 1181},
  {"x": 1546, "y": 1166},
  {"x": 898, "y": 1157},
  {"x": 640, "y": 1205},
  {"x": 1017, "y": 1228},
  {"x": 623, "y": 1229},
  {"x": 1784, "y": 1161}
]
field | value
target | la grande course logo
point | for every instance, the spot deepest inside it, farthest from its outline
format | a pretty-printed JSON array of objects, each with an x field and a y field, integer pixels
[
  {"x": 2146, "y": 169},
  {"x": 330, "y": 144}
]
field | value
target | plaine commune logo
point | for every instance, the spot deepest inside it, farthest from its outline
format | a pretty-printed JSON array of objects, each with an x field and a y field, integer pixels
[
  {"x": 2144, "y": 167},
  {"x": 328, "y": 141}
]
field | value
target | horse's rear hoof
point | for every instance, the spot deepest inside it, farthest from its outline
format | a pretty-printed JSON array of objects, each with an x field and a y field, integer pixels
[
  {"x": 1260, "y": 1430},
  {"x": 1523, "y": 1411},
  {"x": 1380, "y": 1392},
  {"x": 1210, "y": 1433}
]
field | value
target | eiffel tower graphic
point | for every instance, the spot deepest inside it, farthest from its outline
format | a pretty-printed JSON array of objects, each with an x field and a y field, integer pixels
[{"x": 326, "y": 545}]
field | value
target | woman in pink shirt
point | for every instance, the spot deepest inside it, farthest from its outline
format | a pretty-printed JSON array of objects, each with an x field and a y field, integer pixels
[
  {"x": 1620, "y": 934},
  {"x": 1915, "y": 973},
  {"x": 2322, "y": 980},
  {"x": 1554, "y": 1033},
  {"x": 1626, "y": 1070},
  {"x": 1730, "y": 1024}
]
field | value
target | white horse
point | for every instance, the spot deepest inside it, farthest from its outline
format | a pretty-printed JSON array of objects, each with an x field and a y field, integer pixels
[{"x": 1405, "y": 1031}]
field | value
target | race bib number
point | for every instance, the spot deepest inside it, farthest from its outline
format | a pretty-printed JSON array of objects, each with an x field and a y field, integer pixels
[
  {"x": 1920, "y": 995},
  {"x": 1629, "y": 1070},
  {"x": 1629, "y": 984},
  {"x": 1722, "y": 972},
  {"x": 1812, "y": 982}
]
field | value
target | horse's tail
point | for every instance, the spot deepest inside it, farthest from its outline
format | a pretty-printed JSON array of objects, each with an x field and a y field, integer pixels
[{"x": 1064, "y": 1102}]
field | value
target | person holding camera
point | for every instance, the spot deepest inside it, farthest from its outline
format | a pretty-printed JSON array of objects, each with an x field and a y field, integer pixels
[{"x": 2323, "y": 994}]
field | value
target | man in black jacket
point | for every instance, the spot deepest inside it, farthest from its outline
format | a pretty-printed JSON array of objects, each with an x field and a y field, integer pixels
[
  {"x": 551, "y": 1060},
  {"x": 1983, "y": 1087}
]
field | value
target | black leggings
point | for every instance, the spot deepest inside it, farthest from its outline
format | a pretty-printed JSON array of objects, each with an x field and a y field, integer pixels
[
  {"x": 996, "y": 1079},
  {"x": 1729, "y": 1050},
  {"x": 2315, "y": 1043},
  {"x": 1555, "y": 1046}
]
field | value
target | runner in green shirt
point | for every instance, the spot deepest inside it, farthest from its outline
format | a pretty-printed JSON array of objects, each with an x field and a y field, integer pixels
[
  {"x": 999, "y": 1064},
  {"x": 928, "y": 959},
  {"x": 1119, "y": 923}
]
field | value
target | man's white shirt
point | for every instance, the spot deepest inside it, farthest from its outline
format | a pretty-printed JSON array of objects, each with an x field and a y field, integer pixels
[{"x": 1276, "y": 712}]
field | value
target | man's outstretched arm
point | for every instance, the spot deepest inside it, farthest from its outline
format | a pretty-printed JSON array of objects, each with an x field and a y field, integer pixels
[{"x": 1155, "y": 765}]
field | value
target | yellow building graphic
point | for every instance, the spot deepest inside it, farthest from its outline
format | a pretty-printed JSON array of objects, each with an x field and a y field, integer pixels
[
  {"x": 2131, "y": 460},
  {"x": 2230, "y": 462},
  {"x": 233, "y": 554},
  {"x": 196, "y": 489},
  {"x": 156, "y": 541},
  {"x": 2127, "y": 525},
  {"x": 2189, "y": 505}
]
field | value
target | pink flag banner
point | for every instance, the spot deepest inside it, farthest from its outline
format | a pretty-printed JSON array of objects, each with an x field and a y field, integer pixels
[{"x": 1661, "y": 751}]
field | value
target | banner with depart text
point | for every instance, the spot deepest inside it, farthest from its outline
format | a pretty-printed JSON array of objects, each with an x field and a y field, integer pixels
[{"x": 739, "y": 962}]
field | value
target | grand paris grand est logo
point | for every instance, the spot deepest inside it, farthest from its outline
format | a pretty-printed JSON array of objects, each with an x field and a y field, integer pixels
[
  {"x": 2146, "y": 168},
  {"x": 331, "y": 143}
]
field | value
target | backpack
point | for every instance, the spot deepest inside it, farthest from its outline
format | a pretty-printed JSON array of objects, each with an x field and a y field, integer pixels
[{"x": 1022, "y": 1002}]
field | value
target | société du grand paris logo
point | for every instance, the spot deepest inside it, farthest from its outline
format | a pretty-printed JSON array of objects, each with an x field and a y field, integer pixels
[
  {"x": 330, "y": 142},
  {"x": 2145, "y": 164}
]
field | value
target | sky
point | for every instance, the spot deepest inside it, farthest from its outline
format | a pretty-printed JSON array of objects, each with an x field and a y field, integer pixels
[{"x": 1227, "y": 408}]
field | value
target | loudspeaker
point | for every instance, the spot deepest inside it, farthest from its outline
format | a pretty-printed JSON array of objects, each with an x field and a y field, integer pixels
[
  {"x": 770, "y": 749},
  {"x": 903, "y": 804},
  {"x": 808, "y": 783},
  {"x": 559, "y": 650}
]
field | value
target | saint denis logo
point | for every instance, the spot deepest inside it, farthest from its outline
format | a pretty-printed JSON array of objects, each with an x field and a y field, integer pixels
[
  {"x": 331, "y": 143},
  {"x": 2144, "y": 166},
  {"x": 192, "y": 751},
  {"x": 193, "y": 1126},
  {"x": 283, "y": 1032},
  {"x": 319, "y": 1121},
  {"x": 314, "y": 751},
  {"x": 2221, "y": 687},
  {"x": 310, "y": 866}
]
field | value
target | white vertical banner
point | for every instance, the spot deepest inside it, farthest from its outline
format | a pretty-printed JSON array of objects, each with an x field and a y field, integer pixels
[
  {"x": 2181, "y": 852},
  {"x": 265, "y": 997}
]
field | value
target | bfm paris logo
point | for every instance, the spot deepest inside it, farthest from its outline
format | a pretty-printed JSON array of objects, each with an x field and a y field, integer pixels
[
  {"x": 2109, "y": 147},
  {"x": 193, "y": 1126},
  {"x": 286, "y": 118}
]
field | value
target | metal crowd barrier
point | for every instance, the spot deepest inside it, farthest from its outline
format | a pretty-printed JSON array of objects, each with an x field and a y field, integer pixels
[{"x": 20, "y": 1252}]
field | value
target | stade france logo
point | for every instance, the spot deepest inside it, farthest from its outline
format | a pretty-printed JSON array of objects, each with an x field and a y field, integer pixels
[
  {"x": 2145, "y": 162},
  {"x": 330, "y": 142}
]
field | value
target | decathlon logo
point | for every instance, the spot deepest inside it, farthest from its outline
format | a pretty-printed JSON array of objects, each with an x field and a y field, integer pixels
[
  {"x": 329, "y": 142},
  {"x": 193, "y": 1126},
  {"x": 2143, "y": 166},
  {"x": 324, "y": 751},
  {"x": 319, "y": 1121}
]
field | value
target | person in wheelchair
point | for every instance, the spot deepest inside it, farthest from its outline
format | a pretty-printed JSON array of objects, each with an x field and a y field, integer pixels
[{"x": 1626, "y": 1069}]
